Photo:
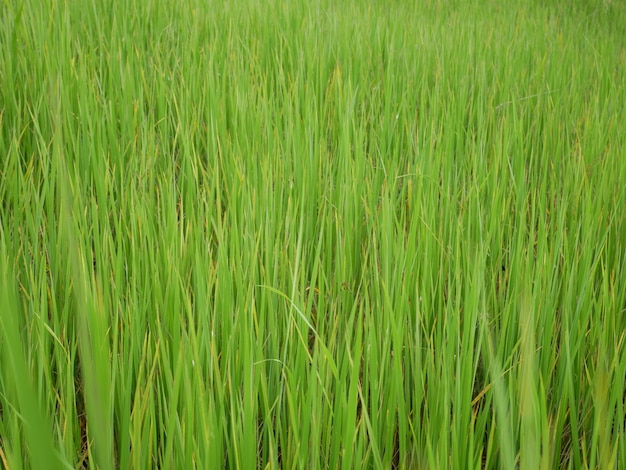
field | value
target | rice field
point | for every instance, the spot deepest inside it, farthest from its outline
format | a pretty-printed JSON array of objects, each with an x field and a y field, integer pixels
[{"x": 313, "y": 234}]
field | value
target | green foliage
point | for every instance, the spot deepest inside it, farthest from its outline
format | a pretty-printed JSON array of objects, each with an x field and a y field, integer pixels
[{"x": 308, "y": 235}]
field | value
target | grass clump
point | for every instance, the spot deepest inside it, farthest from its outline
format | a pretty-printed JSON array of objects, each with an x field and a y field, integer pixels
[{"x": 371, "y": 236}]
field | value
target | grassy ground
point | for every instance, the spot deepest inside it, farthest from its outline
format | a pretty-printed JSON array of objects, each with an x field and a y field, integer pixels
[{"x": 310, "y": 235}]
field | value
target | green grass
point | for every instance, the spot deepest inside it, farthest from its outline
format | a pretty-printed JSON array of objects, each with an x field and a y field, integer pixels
[{"x": 308, "y": 235}]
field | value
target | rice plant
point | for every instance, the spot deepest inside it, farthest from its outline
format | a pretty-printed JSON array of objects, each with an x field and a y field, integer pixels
[{"x": 312, "y": 234}]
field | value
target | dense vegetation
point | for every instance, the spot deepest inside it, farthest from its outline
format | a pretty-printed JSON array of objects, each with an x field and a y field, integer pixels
[{"x": 312, "y": 234}]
